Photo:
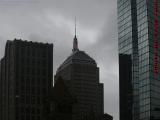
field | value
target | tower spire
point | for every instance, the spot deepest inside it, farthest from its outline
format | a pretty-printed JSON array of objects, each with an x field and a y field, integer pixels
[
  {"x": 75, "y": 41},
  {"x": 75, "y": 26}
]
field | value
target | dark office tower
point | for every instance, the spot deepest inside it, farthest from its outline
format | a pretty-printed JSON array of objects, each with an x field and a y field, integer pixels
[
  {"x": 26, "y": 79},
  {"x": 125, "y": 88},
  {"x": 139, "y": 34},
  {"x": 81, "y": 76},
  {"x": 58, "y": 106},
  {"x": 0, "y": 94}
]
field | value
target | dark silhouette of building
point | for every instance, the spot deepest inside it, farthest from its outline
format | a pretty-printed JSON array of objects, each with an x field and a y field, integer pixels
[
  {"x": 81, "y": 76},
  {"x": 139, "y": 33},
  {"x": 0, "y": 91},
  {"x": 58, "y": 106},
  {"x": 107, "y": 117},
  {"x": 26, "y": 79},
  {"x": 125, "y": 87}
]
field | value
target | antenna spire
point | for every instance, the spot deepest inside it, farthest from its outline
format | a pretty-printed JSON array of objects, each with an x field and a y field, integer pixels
[
  {"x": 75, "y": 41},
  {"x": 75, "y": 26}
]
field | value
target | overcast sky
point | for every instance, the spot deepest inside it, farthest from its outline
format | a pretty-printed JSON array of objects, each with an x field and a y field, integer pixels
[{"x": 53, "y": 21}]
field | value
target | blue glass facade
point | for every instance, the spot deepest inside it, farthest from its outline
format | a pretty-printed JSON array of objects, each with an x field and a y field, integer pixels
[{"x": 139, "y": 37}]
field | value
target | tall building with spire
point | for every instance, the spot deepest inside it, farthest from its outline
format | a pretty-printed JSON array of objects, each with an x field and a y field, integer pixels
[{"x": 81, "y": 76}]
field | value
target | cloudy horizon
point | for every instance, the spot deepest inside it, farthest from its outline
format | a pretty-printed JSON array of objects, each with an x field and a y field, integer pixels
[{"x": 52, "y": 21}]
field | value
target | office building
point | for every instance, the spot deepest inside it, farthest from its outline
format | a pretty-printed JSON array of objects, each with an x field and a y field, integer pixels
[
  {"x": 25, "y": 79},
  {"x": 59, "y": 104},
  {"x": 138, "y": 37},
  {"x": 81, "y": 76}
]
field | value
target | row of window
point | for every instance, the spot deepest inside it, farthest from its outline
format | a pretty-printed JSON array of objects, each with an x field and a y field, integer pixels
[
  {"x": 142, "y": 38},
  {"x": 141, "y": 3},
  {"x": 30, "y": 91},
  {"x": 145, "y": 115},
  {"x": 127, "y": 37},
  {"x": 32, "y": 62},
  {"x": 143, "y": 82},
  {"x": 31, "y": 81},
  {"x": 27, "y": 117},
  {"x": 32, "y": 71},
  {"x": 124, "y": 24},
  {"x": 123, "y": 3},
  {"x": 28, "y": 100},
  {"x": 34, "y": 52},
  {"x": 143, "y": 26}
]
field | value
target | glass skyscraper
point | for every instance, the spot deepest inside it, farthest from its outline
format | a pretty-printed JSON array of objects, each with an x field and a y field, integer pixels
[{"x": 139, "y": 38}]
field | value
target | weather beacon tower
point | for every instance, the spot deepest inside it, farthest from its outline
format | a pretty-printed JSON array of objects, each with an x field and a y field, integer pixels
[
  {"x": 81, "y": 76},
  {"x": 139, "y": 38}
]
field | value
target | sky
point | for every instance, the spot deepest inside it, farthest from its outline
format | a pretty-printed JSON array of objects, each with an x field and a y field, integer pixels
[{"x": 52, "y": 21}]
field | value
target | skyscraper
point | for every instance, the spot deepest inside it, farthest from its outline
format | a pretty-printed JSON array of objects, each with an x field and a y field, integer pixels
[
  {"x": 81, "y": 76},
  {"x": 26, "y": 79},
  {"x": 139, "y": 34}
]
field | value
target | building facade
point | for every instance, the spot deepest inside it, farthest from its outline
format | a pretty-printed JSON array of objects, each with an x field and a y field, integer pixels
[
  {"x": 26, "y": 79},
  {"x": 125, "y": 88},
  {"x": 107, "y": 117},
  {"x": 81, "y": 76},
  {"x": 59, "y": 104},
  {"x": 139, "y": 34}
]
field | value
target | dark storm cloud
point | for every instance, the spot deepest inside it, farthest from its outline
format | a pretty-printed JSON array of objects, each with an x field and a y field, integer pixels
[{"x": 53, "y": 21}]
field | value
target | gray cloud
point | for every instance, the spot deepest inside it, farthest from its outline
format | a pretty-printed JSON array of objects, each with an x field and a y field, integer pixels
[
  {"x": 53, "y": 21},
  {"x": 105, "y": 53}
]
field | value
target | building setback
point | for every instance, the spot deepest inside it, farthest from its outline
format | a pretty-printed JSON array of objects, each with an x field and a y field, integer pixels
[
  {"x": 26, "y": 75},
  {"x": 138, "y": 37},
  {"x": 81, "y": 76}
]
